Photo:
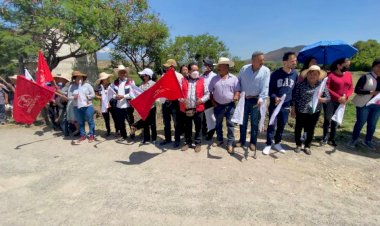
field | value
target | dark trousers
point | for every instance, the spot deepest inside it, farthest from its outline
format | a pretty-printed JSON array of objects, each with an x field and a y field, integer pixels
[
  {"x": 112, "y": 110},
  {"x": 307, "y": 122},
  {"x": 328, "y": 124},
  {"x": 250, "y": 110},
  {"x": 197, "y": 119},
  {"x": 222, "y": 111},
  {"x": 121, "y": 115},
  {"x": 170, "y": 111},
  {"x": 279, "y": 122},
  {"x": 149, "y": 125},
  {"x": 205, "y": 131},
  {"x": 53, "y": 111},
  {"x": 106, "y": 117}
]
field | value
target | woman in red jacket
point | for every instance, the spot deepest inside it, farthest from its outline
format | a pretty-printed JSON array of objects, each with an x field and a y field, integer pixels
[{"x": 339, "y": 84}]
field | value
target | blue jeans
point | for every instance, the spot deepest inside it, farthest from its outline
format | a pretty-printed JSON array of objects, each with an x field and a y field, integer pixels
[
  {"x": 280, "y": 121},
  {"x": 82, "y": 115},
  {"x": 369, "y": 114},
  {"x": 250, "y": 109},
  {"x": 227, "y": 111}
]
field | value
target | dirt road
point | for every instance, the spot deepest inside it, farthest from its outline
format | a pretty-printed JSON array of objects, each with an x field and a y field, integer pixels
[{"x": 45, "y": 180}]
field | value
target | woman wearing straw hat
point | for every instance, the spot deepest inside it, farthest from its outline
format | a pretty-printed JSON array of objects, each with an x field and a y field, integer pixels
[
  {"x": 302, "y": 110},
  {"x": 103, "y": 93},
  {"x": 82, "y": 93}
]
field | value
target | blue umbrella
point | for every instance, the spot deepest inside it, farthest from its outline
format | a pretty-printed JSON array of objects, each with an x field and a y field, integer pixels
[{"x": 326, "y": 52}]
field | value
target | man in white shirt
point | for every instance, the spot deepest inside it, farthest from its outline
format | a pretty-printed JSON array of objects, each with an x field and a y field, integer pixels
[{"x": 208, "y": 74}]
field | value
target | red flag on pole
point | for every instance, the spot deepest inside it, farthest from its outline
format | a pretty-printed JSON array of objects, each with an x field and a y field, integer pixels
[
  {"x": 43, "y": 72},
  {"x": 29, "y": 100},
  {"x": 167, "y": 87}
]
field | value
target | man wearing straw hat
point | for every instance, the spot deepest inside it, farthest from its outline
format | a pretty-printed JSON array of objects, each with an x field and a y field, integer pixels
[
  {"x": 224, "y": 90},
  {"x": 123, "y": 110}
]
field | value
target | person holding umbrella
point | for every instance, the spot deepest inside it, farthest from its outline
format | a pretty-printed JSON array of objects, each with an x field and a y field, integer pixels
[{"x": 339, "y": 84}]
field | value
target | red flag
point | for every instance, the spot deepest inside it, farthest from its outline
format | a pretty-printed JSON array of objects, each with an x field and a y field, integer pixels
[
  {"x": 43, "y": 72},
  {"x": 29, "y": 99},
  {"x": 167, "y": 87}
]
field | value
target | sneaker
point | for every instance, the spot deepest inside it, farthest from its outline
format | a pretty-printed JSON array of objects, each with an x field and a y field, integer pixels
[
  {"x": 323, "y": 142},
  {"x": 332, "y": 143},
  {"x": 307, "y": 151},
  {"x": 230, "y": 149},
  {"x": 298, "y": 149},
  {"x": 369, "y": 145},
  {"x": 153, "y": 142},
  {"x": 352, "y": 145},
  {"x": 185, "y": 147},
  {"x": 197, "y": 148},
  {"x": 91, "y": 139},
  {"x": 218, "y": 144},
  {"x": 279, "y": 148},
  {"x": 121, "y": 139},
  {"x": 267, "y": 150},
  {"x": 165, "y": 142},
  {"x": 80, "y": 140},
  {"x": 176, "y": 145}
]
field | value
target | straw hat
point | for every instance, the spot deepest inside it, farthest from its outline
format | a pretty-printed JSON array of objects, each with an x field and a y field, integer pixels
[
  {"x": 170, "y": 63},
  {"x": 146, "y": 71},
  {"x": 121, "y": 68},
  {"x": 322, "y": 73},
  {"x": 225, "y": 60},
  {"x": 66, "y": 77},
  {"x": 78, "y": 73},
  {"x": 102, "y": 76}
]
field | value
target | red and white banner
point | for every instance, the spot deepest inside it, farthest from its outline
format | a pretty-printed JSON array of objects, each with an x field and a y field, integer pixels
[{"x": 29, "y": 100}]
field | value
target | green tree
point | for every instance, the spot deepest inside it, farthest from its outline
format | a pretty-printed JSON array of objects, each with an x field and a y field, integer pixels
[
  {"x": 185, "y": 49},
  {"x": 14, "y": 48},
  {"x": 368, "y": 51},
  {"x": 142, "y": 42},
  {"x": 86, "y": 26}
]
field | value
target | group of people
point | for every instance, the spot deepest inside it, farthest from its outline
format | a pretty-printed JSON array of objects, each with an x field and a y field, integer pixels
[{"x": 284, "y": 92}]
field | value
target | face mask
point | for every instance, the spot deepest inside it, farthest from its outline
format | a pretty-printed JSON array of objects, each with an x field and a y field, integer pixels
[
  {"x": 60, "y": 84},
  {"x": 344, "y": 69},
  {"x": 204, "y": 69},
  {"x": 194, "y": 75}
]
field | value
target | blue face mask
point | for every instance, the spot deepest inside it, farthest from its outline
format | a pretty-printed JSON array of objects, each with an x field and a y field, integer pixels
[{"x": 60, "y": 84}]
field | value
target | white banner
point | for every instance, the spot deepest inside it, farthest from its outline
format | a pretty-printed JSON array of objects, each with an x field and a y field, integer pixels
[
  {"x": 317, "y": 94},
  {"x": 239, "y": 110},
  {"x": 210, "y": 119},
  {"x": 339, "y": 114},
  {"x": 263, "y": 112},
  {"x": 375, "y": 100},
  {"x": 277, "y": 110}
]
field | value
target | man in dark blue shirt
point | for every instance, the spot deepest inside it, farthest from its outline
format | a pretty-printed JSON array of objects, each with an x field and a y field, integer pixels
[{"x": 282, "y": 81}]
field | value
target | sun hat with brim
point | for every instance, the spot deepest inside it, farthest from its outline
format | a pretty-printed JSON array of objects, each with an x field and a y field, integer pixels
[
  {"x": 121, "y": 68},
  {"x": 170, "y": 63},
  {"x": 78, "y": 73},
  {"x": 146, "y": 71},
  {"x": 322, "y": 73},
  {"x": 102, "y": 76},
  {"x": 61, "y": 76},
  {"x": 225, "y": 60},
  {"x": 208, "y": 62}
]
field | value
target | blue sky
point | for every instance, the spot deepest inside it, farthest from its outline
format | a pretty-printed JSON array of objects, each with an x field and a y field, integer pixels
[{"x": 245, "y": 26}]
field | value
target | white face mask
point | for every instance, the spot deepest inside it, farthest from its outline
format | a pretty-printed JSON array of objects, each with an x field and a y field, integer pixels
[
  {"x": 204, "y": 69},
  {"x": 194, "y": 75}
]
